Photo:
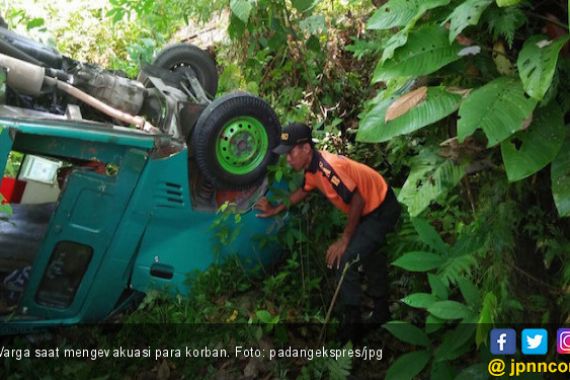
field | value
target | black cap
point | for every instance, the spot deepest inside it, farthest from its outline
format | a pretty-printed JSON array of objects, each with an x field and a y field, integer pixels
[{"x": 293, "y": 134}]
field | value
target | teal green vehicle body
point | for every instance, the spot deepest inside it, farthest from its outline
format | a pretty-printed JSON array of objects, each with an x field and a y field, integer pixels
[{"x": 137, "y": 229}]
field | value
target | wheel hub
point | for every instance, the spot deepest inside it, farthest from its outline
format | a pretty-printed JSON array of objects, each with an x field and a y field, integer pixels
[{"x": 242, "y": 145}]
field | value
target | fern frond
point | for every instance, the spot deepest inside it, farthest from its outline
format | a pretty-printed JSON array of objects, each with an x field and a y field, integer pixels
[{"x": 504, "y": 22}]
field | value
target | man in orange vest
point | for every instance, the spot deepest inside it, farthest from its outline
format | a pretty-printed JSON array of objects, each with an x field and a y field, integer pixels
[{"x": 372, "y": 210}]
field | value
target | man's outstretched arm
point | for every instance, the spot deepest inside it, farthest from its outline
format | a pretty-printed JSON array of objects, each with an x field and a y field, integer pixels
[
  {"x": 337, "y": 249},
  {"x": 267, "y": 209}
]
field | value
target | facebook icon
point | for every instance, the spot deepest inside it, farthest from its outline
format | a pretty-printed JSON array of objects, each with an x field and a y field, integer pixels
[{"x": 503, "y": 341}]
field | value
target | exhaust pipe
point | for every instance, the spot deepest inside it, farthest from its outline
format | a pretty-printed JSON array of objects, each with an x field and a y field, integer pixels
[
  {"x": 24, "y": 77},
  {"x": 137, "y": 121}
]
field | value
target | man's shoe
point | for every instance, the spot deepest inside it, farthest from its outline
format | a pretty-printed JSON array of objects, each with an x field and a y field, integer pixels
[{"x": 380, "y": 313}]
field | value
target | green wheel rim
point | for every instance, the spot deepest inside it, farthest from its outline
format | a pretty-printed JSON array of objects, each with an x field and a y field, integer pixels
[{"x": 242, "y": 145}]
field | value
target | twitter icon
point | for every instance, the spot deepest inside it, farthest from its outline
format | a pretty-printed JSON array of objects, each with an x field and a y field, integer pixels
[{"x": 534, "y": 341}]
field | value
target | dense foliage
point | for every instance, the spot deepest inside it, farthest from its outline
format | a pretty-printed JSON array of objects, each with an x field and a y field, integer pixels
[{"x": 462, "y": 105}]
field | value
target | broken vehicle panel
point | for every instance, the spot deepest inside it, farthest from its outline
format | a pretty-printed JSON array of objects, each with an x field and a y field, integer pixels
[{"x": 135, "y": 230}]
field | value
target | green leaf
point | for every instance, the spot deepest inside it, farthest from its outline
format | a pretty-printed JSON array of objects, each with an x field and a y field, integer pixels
[
  {"x": 486, "y": 318},
  {"x": 441, "y": 371},
  {"x": 278, "y": 175},
  {"x": 469, "y": 292},
  {"x": 433, "y": 324},
  {"x": 560, "y": 177},
  {"x": 464, "y": 15},
  {"x": 401, "y": 12},
  {"x": 418, "y": 261},
  {"x": 500, "y": 108},
  {"x": 313, "y": 25},
  {"x": 236, "y": 28},
  {"x": 406, "y": 332},
  {"x": 408, "y": 365},
  {"x": 438, "y": 104},
  {"x": 537, "y": 63},
  {"x": 429, "y": 235},
  {"x": 395, "y": 41},
  {"x": 6, "y": 210},
  {"x": 35, "y": 23},
  {"x": 507, "y": 3},
  {"x": 438, "y": 288},
  {"x": 420, "y": 300},
  {"x": 455, "y": 343},
  {"x": 304, "y": 5},
  {"x": 313, "y": 44},
  {"x": 242, "y": 9},
  {"x": 265, "y": 317},
  {"x": 430, "y": 178},
  {"x": 530, "y": 150},
  {"x": 450, "y": 310},
  {"x": 426, "y": 51},
  {"x": 367, "y": 129},
  {"x": 474, "y": 372}
]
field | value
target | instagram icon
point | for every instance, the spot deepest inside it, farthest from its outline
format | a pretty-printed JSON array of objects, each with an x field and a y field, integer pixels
[{"x": 563, "y": 341}]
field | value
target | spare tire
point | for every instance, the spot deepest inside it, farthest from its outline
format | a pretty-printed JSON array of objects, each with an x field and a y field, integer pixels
[
  {"x": 233, "y": 140},
  {"x": 181, "y": 57}
]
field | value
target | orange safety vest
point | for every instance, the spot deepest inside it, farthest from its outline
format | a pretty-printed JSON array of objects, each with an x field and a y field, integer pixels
[{"x": 337, "y": 177}]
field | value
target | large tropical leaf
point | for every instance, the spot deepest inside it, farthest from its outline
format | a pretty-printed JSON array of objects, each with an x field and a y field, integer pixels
[
  {"x": 401, "y": 12},
  {"x": 426, "y": 51},
  {"x": 530, "y": 150},
  {"x": 560, "y": 176},
  {"x": 500, "y": 108},
  {"x": 407, "y": 366},
  {"x": 367, "y": 129},
  {"x": 405, "y": 103},
  {"x": 418, "y": 261},
  {"x": 464, "y": 15},
  {"x": 537, "y": 63},
  {"x": 438, "y": 103},
  {"x": 430, "y": 178}
]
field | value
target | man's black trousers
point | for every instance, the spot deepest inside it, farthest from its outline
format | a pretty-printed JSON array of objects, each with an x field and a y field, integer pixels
[{"x": 369, "y": 236}]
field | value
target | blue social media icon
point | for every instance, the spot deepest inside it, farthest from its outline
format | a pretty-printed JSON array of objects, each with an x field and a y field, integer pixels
[
  {"x": 503, "y": 342},
  {"x": 534, "y": 341}
]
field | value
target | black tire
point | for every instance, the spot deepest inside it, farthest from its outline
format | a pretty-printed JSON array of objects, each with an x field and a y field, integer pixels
[
  {"x": 189, "y": 57},
  {"x": 215, "y": 120}
]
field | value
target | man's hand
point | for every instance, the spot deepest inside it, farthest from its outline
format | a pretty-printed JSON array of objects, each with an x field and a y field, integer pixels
[
  {"x": 267, "y": 210},
  {"x": 335, "y": 252}
]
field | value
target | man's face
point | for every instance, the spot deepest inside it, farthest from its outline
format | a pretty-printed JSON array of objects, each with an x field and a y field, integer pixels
[{"x": 299, "y": 156}]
